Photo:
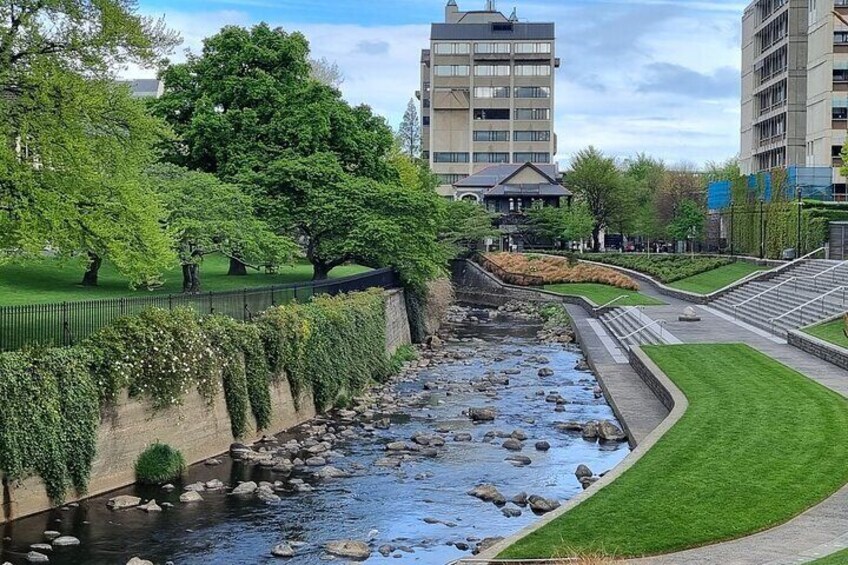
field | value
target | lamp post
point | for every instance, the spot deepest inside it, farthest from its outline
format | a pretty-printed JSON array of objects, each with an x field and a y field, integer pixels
[
  {"x": 732, "y": 241},
  {"x": 800, "y": 194},
  {"x": 762, "y": 229}
]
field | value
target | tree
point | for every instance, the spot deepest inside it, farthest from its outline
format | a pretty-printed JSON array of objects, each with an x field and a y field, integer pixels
[
  {"x": 642, "y": 179},
  {"x": 205, "y": 215},
  {"x": 327, "y": 72},
  {"x": 566, "y": 223},
  {"x": 688, "y": 221},
  {"x": 74, "y": 144},
  {"x": 464, "y": 225},
  {"x": 409, "y": 132},
  {"x": 596, "y": 182}
]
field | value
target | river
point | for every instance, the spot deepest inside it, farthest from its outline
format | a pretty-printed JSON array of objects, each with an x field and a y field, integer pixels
[{"x": 419, "y": 509}]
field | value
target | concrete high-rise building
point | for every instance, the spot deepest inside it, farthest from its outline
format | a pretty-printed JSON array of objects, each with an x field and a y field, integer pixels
[
  {"x": 774, "y": 85},
  {"x": 795, "y": 87},
  {"x": 487, "y": 93}
]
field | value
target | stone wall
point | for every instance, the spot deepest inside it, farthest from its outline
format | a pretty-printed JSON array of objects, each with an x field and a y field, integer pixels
[
  {"x": 197, "y": 429},
  {"x": 648, "y": 372},
  {"x": 821, "y": 349}
]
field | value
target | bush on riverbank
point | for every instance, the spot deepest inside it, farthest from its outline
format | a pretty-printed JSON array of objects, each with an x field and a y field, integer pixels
[
  {"x": 539, "y": 270},
  {"x": 159, "y": 464},
  {"x": 665, "y": 268},
  {"x": 332, "y": 347}
]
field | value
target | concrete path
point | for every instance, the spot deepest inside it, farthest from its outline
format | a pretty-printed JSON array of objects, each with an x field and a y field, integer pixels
[
  {"x": 637, "y": 406},
  {"x": 821, "y": 530}
]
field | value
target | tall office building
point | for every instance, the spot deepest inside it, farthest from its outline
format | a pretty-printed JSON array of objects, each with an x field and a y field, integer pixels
[
  {"x": 487, "y": 93},
  {"x": 795, "y": 88}
]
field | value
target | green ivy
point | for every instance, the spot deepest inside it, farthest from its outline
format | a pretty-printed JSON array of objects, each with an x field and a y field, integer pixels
[
  {"x": 224, "y": 335},
  {"x": 159, "y": 464}
]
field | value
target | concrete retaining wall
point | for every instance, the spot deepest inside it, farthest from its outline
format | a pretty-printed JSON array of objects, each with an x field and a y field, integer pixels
[
  {"x": 197, "y": 429},
  {"x": 820, "y": 348}
]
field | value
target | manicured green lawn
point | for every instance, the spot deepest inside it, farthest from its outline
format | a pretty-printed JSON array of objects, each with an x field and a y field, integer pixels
[
  {"x": 601, "y": 294},
  {"x": 714, "y": 280},
  {"x": 834, "y": 332},
  {"x": 758, "y": 445},
  {"x": 45, "y": 281},
  {"x": 840, "y": 558}
]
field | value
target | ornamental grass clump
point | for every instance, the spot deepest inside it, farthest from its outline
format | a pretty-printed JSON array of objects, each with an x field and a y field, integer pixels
[
  {"x": 545, "y": 270},
  {"x": 159, "y": 464}
]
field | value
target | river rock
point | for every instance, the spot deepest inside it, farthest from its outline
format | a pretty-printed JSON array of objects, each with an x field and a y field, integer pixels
[
  {"x": 608, "y": 431},
  {"x": 349, "y": 548},
  {"x": 520, "y": 499},
  {"x": 520, "y": 435},
  {"x": 214, "y": 484},
  {"x": 462, "y": 437},
  {"x": 482, "y": 414},
  {"x": 41, "y": 547},
  {"x": 545, "y": 372},
  {"x": 488, "y": 493},
  {"x": 511, "y": 512},
  {"x": 330, "y": 472},
  {"x": 388, "y": 462},
  {"x": 486, "y": 544},
  {"x": 570, "y": 427},
  {"x": 212, "y": 462},
  {"x": 586, "y": 482},
  {"x": 582, "y": 365},
  {"x": 239, "y": 451},
  {"x": 541, "y": 505},
  {"x": 316, "y": 462},
  {"x": 542, "y": 446},
  {"x": 396, "y": 446},
  {"x": 50, "y": 535},
  {"x": 435, "y": 342},
  {"x": 245, "y": 489},
  {"x": 139, "y": 561},
  {"x": 386, "y": 550},
  {"x": 190, "y": 496},
  {"x": 583, "y": 471},
  {"x": 519, "y": 460},
  {"x": 512, "y": 445},
  {"x": 65, "y": 541},
  {"x": 123, "y": 501},
  {"x": 150, "y": 507},
  {"x": 196, "y": 487},
  {"x": 590, "y": 431},
  {"x": 36, "y": 557}
]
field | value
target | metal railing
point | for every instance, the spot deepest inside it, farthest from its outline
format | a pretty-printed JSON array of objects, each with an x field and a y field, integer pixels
[
  {"x": 830, "y": 270},
  {"x": 804, "y": 306},
  {"x": 623, "y": 314},
  {"x": 660, "y": 323},
  {"x": 764, "y": 293},
  {"x": 611, "y": 302},
  {"x": 67, "y": 323}
]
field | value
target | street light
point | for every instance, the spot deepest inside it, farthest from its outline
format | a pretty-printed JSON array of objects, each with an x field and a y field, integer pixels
[
  {"x": 762, "y": 229},
  {"x": 800, "y": 193}
]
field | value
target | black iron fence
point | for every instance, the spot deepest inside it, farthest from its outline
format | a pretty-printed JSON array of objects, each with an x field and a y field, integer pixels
[{"x": 69, "y": 322}]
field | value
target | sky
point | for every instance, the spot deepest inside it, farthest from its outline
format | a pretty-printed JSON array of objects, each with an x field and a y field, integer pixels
[{"x": 653, "y": 76}]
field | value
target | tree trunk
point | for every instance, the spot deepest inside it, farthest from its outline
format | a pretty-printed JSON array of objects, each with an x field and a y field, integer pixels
[
  {"x": 191, "y": 279},
  {"x": 596, "y": 239},
  {"x": 237, "y": 268},
  {"x": 321, "y": 271},
  {"x": 93, "y": 270}
]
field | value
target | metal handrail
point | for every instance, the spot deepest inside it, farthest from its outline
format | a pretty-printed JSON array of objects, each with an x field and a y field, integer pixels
[
  {"x": 830, "y": 270},
  {"x": 810, "y": 303},
  {"x": 661, "y": 323},
  {"x": 624, "y": 313},
  {"x": 798, "y": 260},
  {"x": 611, "y": 302},
  {"x": 765, "y": 292}
]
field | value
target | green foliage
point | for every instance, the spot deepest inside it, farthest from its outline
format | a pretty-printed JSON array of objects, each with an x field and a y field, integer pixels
[
  {"x": 159, "y": 464},
  {"x": 567, "y": 223},
  {"x": 464, "y": 225},
  {"x": 403, "y": 355},
  {"x": 157, "y": 355},
  {"x": 597, "y": 183},
  {"x": 334, "y": 345},
  {"x": 665, "y": 268},
  {"x": 48, "y": 418},
  {"x": 224, "y": 335}
]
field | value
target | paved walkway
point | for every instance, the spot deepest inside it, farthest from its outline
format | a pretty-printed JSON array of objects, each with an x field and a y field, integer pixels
[{"x": 821, "y": 530}]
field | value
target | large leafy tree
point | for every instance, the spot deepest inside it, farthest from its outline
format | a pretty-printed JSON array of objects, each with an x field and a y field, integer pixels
[
  {"x": 73, "y": 143},
  {"x": 464, "y": 225},
  {"x": 566, "y": 223},
  {"x": 206, "y": 215},
  {"x": 247, "y": 110},
  {"x": 596, "y": 182}
]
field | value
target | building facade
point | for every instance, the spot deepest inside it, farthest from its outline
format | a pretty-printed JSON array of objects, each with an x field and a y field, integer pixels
[
  {"x": 487, "y": 93},
  {"x": 795, "y": 87}
]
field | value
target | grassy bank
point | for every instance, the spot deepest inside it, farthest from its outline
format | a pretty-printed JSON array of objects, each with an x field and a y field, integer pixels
[
  {"x": 758, "y": 445},
  {"x": 711, "y": 281},
  {"x": 601, "y": 294},
  {"x": 833, "y": 332},
  {"x": 47, "y": 280},
  {"x": 840, "y": 558}
]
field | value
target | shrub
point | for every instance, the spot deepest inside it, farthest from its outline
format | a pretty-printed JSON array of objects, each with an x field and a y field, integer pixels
[
  {"x": 665, "y": 268},
  {"x": 403, "y": 355},
  {"x": 159, "y": 464},
  {"x": 541, "y": 270}
]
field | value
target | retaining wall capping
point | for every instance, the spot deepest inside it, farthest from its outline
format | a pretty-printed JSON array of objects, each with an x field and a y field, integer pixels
[
  {"x": 824, "y": 350},
  {"x": 679, "y": 404},
  {"x": 199, "y": 430}
]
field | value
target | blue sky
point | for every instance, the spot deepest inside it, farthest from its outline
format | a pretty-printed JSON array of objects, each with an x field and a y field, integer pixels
[{"x": 654, "y": 76}]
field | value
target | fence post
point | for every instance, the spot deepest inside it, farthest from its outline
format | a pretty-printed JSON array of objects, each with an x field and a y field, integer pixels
[
  {"x": 273, "y": 298},
  {"x": 123, "y": 306},
  {"x": 245, "y": 313},
  {"x": 171, "y": 302},
  {"x": 211, "y": 305},
  {"x": 67, "y": 337}
]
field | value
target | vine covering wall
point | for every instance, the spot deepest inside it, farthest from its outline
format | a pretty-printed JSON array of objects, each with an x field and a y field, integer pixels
[{"x": 53, "y": 398}]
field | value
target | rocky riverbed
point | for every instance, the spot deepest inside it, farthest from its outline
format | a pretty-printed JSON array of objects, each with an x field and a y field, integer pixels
[{"x": 497, "y": 422}]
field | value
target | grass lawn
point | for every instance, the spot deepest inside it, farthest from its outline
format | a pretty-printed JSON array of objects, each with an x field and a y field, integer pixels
[
  {"x": 840, "y": 558},
  {"x": 46, "y": 280},
  {"x": 758, "y": 445},
  {"x": 834, "y": 332},
  {"x": 601, "y": 294},
  {"x": 714, "y": 280}
]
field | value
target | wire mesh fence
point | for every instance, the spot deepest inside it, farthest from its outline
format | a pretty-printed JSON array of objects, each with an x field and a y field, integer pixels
[{"x": 67, "y": 323}]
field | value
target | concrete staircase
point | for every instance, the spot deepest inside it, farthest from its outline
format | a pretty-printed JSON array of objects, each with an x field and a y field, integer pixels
[
  {"x": 622, "y": 322},
  {"x": 794, "y": 287}
]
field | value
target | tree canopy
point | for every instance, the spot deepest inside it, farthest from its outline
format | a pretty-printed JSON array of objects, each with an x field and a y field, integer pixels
[
  {"x": 409, "y": 132},
  {"x": 596, "y": 181}
]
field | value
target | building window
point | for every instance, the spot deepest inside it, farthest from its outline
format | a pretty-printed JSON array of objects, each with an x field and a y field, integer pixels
[
  {"x": 532, "y": 70},
  {"x": 840, "y": 75},
  {"x": 425, "y": 103},
  {"x": 491, "y": 70},
  {"x": 442, "y": 157},
  {"x": 453, "y": 49},
  {"x": 451, "y": 179},
  {"x": 491, "y": 92},
  {"x": 840, "y": 37},
  {"x": 532, "y": 136},
  {"x": 532, "y": 48},
  {"x": 840, "y": 113},
  {"x": 452, "y": 70},
  {"x": 491, "y": 114},
  {"x": 491, "y": 135},
  {"x": 502, "y": 27},
  {"x": 426, "y": 121},
  {"x": 533, "y": 114},
  {"x": 531, "y": 158},
  {"x": 491, "y": 157},
  {"x": 492, "y": 48},
  {"x": 532, "y": 92},
  {"x": 425, "y": 155}
]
